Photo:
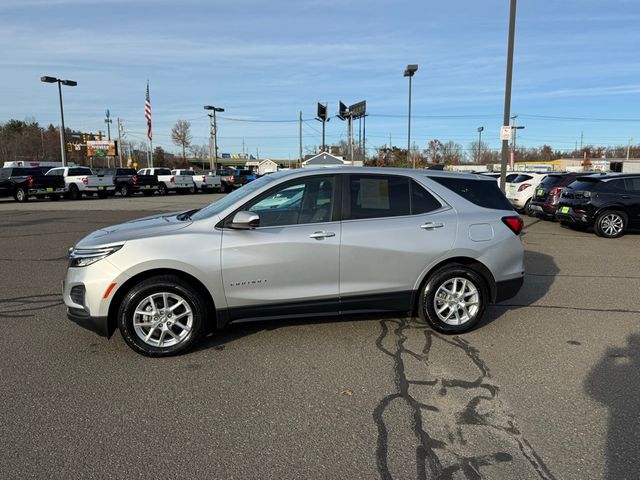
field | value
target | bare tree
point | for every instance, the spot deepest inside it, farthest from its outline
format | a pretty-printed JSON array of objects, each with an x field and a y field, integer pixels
[{"x": 181, "y": 136}]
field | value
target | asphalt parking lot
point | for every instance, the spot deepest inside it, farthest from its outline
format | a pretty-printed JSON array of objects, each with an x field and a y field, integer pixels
[{"x": 545, "y": 389}]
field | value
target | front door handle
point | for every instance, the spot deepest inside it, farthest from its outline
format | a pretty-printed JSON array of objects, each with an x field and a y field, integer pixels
[
  {"x": 431, "y": 225},
  {"x": 321, "y": 235}
]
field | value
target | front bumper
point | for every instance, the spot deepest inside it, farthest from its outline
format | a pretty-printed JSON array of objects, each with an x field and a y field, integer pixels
[{"x": 84, "y": 292}]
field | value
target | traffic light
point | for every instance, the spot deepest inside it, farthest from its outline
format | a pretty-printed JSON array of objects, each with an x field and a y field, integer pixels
[
  {"x": 69, "y": 147},
  {"x": 342, "y": 111},
  {"x": 322, "y": 112}
]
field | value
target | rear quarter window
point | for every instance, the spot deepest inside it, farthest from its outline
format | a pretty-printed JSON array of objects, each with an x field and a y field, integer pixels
[
  {"x": 521, "y": 178},
  {"x": 483, "y": 193}
]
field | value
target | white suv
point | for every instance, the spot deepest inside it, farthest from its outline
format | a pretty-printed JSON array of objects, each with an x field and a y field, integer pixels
[{"x": 520, "y": 190}]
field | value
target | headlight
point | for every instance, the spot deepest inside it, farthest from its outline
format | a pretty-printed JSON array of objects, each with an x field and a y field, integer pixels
[{"x": 81, "y": 257}]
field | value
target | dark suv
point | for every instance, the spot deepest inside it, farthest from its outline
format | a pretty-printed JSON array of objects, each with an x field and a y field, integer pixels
[
  {"x": 609, "y": 203},
  {"x": 547, "y": 194}
]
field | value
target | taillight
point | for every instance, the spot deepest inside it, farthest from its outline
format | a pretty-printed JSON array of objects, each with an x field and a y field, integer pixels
[
  {"x": 579, "y": 211},
  {"x": 204, "y": 179},
  {"x": 30, "y": 181},
  {"x": 85, "y": 180},
  {"x": 172, "y": 180},
  {"x": 514, "y": 223},
  {"x": 524, "y": 186},
  {"x": 555, "y": 191},
  {"x": 134, "y": 179}
]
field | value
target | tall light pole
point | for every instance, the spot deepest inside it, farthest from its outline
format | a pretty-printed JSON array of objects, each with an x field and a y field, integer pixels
[
  {"x": 215, "y": 134},
  {"x": 409, "y": 72},
  {"x": 69, "y": 83},
  {"x": 480, "y": 129},
  {"x": 507, "y": 92}
]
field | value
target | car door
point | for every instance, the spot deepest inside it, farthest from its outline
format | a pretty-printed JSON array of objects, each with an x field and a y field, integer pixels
[
  {"x": 393, "y": 228},
  {"x": 289, "y": 264}
]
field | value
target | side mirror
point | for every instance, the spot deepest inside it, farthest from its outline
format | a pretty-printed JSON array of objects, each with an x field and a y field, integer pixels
[{"x": 245, "y": 220}]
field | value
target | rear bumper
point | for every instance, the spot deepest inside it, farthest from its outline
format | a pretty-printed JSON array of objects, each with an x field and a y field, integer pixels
[
  {"x": 572, "y": 217},
  {"x": 541, "y": 207},
  {"x": 44, "y": 191},
  {"x": 508, "y": 289}
]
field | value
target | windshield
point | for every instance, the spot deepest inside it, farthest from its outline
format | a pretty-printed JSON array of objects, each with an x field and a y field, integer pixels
[{"x": 235, "y": 196}]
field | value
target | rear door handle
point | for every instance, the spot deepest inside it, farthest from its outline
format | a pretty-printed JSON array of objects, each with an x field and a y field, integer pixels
[
  {"x": 431, "y": 225},
  {"x": 321, "y": 235}
]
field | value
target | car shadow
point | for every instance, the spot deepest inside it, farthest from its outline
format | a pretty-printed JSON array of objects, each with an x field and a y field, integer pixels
[
  {"x": 540, "y": 273},
  {"x": 613, "y": 382}
]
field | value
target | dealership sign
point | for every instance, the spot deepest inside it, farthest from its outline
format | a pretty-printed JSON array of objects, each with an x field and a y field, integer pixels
[{"x": 101, "y": 148}]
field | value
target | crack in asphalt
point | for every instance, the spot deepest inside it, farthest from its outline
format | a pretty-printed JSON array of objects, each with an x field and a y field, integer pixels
[{"x": 444, "y": 441}]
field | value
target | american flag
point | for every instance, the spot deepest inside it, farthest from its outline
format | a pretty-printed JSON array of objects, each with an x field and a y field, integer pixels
[{"x": 147, "y": 112}]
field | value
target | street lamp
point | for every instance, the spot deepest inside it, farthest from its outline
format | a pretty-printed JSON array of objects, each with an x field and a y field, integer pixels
[
  {"x": 213, "y": 131},
  {"x": 480, "y": 129},
  {"x": 409, "y": 72},
  {"x": 69, "y": 83}
]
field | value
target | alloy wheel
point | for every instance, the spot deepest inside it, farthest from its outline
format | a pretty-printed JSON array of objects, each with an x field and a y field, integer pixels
[
  {"x": 612, "y": 224},
  {"x": 163, "y": 319},
  {"x": 456, "y": 301}
]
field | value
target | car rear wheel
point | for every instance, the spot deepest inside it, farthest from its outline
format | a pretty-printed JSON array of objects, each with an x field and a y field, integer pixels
[
  {"x": 611, "y": 224},
  {"x": 20, "y": 195},
  {"x": 527, "y": 209},
  {"x": 162, "y": 316},
  {"x": 162, "y": 189},
  {"x": 453, "y": 300},
  {"x": 124, "y": 190}
]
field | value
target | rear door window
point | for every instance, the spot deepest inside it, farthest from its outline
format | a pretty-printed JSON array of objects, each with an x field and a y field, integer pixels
[
  {"x": 632, "y": 185},
  {"x": 79, "y": 171},
  {"x": 375, "y": 196},
  {"x": 551, "y": 180},
  {"x": 521, "y": 178}
]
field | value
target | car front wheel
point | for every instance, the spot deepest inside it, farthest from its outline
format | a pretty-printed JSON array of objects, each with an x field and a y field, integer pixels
[
  {"x": 611, "y": 224},
  {"x": 162, "y": 316},
  {"x": 453, "y": 300}
]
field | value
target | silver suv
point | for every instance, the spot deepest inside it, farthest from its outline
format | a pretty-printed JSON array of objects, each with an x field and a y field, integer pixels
[{"x": 302, "y": 243}]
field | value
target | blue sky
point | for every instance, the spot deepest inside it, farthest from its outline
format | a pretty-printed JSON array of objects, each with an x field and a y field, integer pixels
[{"x": 269, "y": 60}]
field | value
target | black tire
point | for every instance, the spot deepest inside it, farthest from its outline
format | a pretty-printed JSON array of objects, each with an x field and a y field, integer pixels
[
  {"x": 157, "y": 285},
  {"x": 227, "y": 189},
  {"x": 611, "y": 224},
  {"x": 440, "y": 278},
  {"x": 125, "y": 191},
  {"x": 54, "y": 198},
  {"x": 74, "y": 193},
  {"x": 162, "y": 189},
  {"x": 20, "y": 195},
  {"x": 103, "y": 194},
  {"x": 193, "y": 189},
  {"x": 147, "y": 193},
  {"x": 527, "y": 209}
]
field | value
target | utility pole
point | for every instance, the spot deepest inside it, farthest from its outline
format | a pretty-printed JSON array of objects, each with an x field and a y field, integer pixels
[
  {"x": 629, "y": 148},
  {"x": 410, "y": 72},
  {"x": 480, "y": 129},
  {"x": 120, "y": 128},
  {"x": 300, "y": 137},
  {"x": 215, "y": 133},
  {"x": 514, "y": 131},
  {"x": 581, "y": 138},
  {"x": 350, "y": 118},
  {"x": 507, "y": 92},
  {"x": 364, "y": 138}
]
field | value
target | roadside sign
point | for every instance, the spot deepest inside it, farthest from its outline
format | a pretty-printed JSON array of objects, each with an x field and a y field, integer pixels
[{"x": 505, "y": 133}]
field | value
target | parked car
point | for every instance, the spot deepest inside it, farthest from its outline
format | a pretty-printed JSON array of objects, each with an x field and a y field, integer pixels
[
  {"x": 167, "y": 181},
  {"x": 248, "y": 175},
  {"x": 82, "y": 180},
  {"x": 358, "y": 240},
  {"x": 230, "y": 179},
  {"x": 22, "y": 183},
  {"x": 202, "y": 182},
  {"x": 520, "y": 189},
  {"x": 608, "y": 203},
  {"x": 128, "y": 181},
  {"x": 547, "y": 194}
]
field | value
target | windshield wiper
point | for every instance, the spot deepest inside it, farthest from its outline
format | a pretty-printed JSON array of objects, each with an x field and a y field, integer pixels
[{"x": 187, "y": 215}]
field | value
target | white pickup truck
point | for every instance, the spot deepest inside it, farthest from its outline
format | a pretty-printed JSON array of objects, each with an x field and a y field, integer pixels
[
  {"x": 167, "y": 181},
  {"x": 81, "y": 180},
  {"x": 202, "y": 181}
]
